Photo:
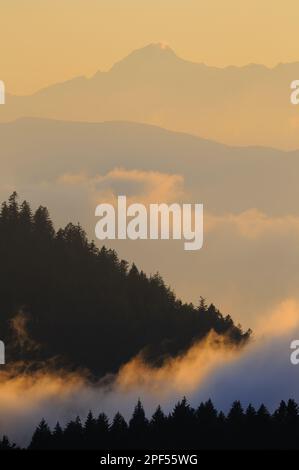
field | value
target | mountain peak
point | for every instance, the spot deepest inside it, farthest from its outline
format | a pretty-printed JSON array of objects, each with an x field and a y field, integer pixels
[
  {"x": 161, "y": 48},
  {"x": 154, "y": 52}
]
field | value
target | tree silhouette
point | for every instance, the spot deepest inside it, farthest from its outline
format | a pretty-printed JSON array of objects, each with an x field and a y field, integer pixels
[
  {"x": 5, "y": 444},
  {"x": 42, "y": 437},
  {"x": 182, "y": 422},
  {"x": 73, "y": 435},
  {"x": 184, "y": 428},
  {"x": 102, "y": 429},
  {"x": 158, "y": 429},
  {"x": 118, "y": 432},
  {"x": 57, "y": 437},
  {"x": 90, "y": 431},
  {"x": 138, "y": 426}
]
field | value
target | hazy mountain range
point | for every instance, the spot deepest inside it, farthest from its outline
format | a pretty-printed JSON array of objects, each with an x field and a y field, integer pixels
[
  {"x": 225, "y": 179},
  {"x": 250, "y": 197},
  {"x": 235, "y": 105}
]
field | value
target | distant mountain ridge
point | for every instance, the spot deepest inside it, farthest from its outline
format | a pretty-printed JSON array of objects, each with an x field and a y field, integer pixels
[
  {"x": 40, "y": 150},
  {"x": 247, "y": 105}
]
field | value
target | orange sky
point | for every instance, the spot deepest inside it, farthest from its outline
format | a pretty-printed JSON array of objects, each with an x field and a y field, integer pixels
[{"x": 42, "y": 42}]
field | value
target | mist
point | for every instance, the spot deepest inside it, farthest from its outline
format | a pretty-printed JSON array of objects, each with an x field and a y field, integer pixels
[{"x": 259, "y": 373}]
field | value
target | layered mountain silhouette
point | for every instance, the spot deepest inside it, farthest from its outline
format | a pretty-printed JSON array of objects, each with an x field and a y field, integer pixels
[
  {"x": 70, "y": 167},
  {"x": 226, "y": 179},
  {"x": 235, "y": 105}
]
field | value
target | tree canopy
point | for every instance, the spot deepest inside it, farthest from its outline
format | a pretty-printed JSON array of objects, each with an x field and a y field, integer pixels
[{"x": 184, "y": 428}]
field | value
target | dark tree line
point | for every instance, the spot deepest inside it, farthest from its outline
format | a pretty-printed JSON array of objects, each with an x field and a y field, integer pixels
[
  {"x": 86, "y": 305},
  {"x": 184, "y": 428}
]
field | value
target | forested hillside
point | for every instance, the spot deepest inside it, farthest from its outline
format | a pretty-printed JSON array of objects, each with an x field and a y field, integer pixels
[{"x": 63, "y": 297}]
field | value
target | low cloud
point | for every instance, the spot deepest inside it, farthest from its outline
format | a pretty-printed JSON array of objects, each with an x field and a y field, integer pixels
[
  {"x": 212, "y": 368},
  {"x": 253, "y": 224},
  {"x": 281, "y": 320},
  {"x": 180, "y": 375},
  {"x": 139, "y": 186}
]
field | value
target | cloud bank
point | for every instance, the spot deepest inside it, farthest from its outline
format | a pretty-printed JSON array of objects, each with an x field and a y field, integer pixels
[{"x": 262, "y": 372}]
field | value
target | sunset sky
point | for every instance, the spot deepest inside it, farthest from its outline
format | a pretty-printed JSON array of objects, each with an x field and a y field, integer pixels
[{"x": 43, "y": 42}]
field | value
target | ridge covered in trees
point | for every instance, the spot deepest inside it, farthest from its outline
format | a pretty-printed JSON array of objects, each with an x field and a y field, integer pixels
[
  {"x": 183, "y": 428},
  {"x": 84, "y": 304}
]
